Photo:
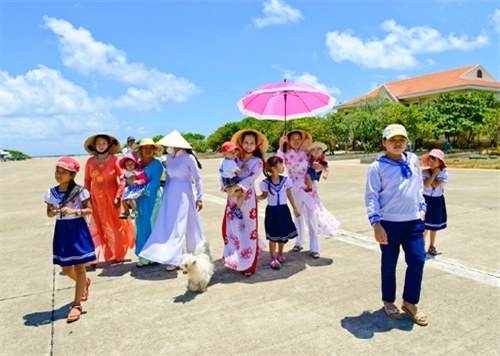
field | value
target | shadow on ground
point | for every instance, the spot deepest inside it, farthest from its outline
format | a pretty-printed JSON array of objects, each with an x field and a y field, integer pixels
[
  {"x": 368, "y": 323},
  {"x": 296, "y": 262},
  {"x": 47, "y": 317}
]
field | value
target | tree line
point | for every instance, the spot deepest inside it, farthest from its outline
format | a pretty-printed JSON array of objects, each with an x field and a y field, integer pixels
[{"x": 459, "y": 117}]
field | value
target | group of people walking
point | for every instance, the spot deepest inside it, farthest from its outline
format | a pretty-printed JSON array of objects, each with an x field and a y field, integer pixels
[{"x": 168, "y": 219}]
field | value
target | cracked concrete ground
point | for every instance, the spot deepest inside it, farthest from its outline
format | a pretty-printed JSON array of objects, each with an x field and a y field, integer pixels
[{"x": 329, "y": 306}]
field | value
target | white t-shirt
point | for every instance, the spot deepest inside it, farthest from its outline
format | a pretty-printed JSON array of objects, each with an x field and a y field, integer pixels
[
  {"x": 55, "y": 198},
  {"x": 278, "y": 190},
  {"x": 227, "y": 168}
]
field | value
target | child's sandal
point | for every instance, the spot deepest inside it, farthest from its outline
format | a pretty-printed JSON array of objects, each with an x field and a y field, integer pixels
[
  {"x": 85, "y": 294},
  {"x": 237, "y": 212},
  {"x": 74, "y": 317},
  {"x": 432, "y": 251}
]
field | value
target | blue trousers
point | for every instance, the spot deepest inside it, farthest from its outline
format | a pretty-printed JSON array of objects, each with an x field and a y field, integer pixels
[{"x": 409, "y": 235}]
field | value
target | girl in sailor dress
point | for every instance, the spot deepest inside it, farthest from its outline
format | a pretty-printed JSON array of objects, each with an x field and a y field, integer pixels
[
  {"x": 72, "y": 245},
  {"x": 434, "y": 180},
  {"x": 278, "y": 221}
]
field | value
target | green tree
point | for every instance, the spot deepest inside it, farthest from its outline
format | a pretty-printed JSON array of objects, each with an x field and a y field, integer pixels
[
  {"x": 491, "y": 126},
  {"x": 459, "y": 116}
]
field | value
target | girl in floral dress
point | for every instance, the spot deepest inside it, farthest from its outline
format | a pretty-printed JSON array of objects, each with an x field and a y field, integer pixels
[
  {"x": 111, "y": 235},
  {"x": 242, "y": 244},
  {"x": 319, "y": 220}
]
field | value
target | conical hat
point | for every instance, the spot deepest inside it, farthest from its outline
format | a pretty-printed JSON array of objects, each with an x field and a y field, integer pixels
[
  {"x": 90, "y": 142},
  {"x": 174, "y": 139},
  {"x": 262, "y": 143}
]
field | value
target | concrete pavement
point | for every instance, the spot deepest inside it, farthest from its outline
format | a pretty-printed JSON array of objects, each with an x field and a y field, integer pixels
[{"x": 329, "y": 306}]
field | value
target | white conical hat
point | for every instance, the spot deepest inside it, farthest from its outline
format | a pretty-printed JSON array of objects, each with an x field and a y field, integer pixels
[{"x": 174, "y": 139}]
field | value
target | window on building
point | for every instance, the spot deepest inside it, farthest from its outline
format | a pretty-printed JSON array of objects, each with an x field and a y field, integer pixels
[{"x": 479, "y": 73}]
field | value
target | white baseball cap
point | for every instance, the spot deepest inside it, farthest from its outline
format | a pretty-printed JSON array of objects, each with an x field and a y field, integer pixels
[{"x": 395, "y": 130}]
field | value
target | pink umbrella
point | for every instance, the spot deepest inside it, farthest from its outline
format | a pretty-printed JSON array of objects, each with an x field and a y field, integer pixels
[{"x": 284, "y": 101}]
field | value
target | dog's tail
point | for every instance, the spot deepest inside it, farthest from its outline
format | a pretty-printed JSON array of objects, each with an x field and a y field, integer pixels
[{"x": 203, "y": 247}]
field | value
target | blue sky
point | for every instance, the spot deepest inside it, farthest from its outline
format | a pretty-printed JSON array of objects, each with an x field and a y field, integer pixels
[{"x": 72, "y": 69}]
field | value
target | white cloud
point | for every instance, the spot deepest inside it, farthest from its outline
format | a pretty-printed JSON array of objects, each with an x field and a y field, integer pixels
[
  {"x": 399, "y": 48},
  {"x": 42, "y": 105},
  {"x": 430, "y": 61},
  {"x": 373, "y": 85},
  {"x": 495, "y": 18},
  {"x": 402, "y": 76},
  {"x": 277, "y": 12},
  {"x": 149, "y": 87},
  {"x": 307, "y": 78}
]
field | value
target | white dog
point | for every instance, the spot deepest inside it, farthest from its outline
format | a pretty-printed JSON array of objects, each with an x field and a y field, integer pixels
[{"x": 198, "y": 267}]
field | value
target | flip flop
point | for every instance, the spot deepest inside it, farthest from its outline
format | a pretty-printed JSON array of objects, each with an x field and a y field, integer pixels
[
  {"x": 314, "y": 255},
  {"x": 74, "y": 317},
  {"x": 393, "y": 313},
  {"x": 297, "y": 248},
  {"x": 417, "y": 317}
]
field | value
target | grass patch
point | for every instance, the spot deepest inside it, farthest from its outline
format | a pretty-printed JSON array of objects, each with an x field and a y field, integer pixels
[{"x": 465, "y": 162}]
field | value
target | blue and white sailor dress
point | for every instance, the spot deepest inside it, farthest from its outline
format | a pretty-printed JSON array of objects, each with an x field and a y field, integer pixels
[
  {"x": 435, "y": 217},
  {"x": 73, "y": 242},
  {"x": 278, "y": 221}
]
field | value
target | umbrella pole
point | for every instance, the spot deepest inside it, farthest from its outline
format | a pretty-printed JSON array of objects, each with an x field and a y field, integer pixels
[{"x": 284, "y": 128}]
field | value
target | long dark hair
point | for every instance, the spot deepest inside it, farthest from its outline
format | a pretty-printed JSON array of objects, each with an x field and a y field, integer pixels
[
  {"x": 270, "y": 163},
  {"x": 72, "y": 191},
  {"x": 257, "y": 152},
  {"x": 190, "y": 151}
]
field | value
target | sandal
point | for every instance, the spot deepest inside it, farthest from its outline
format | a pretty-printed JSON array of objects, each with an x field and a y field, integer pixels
[
  {"x": 74, "y": 317},
  {"x": 275, "y": 264},
  {"x": 393, "y": 313},
  {"x": 85, "y": 294},
  {"x": 281, "y": 258},
  {"x": 171, "y": 268},
  {"x": 432, "y": 251},
  {"x": 91, "y": 267},
  {"x": 297, "y": 248},
  {"x": 237, "y": 212},
  {"x": 419, "y": 317},
  {"x": 314, "y": 255}
]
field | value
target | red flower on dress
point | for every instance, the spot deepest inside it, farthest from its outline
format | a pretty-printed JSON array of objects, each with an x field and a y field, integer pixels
[
  {"x": 236, "y": 242},
  {"x": 254, "y": 235},
  {"x": 249, "y": 194},
  {"x": 246, "y": 253},
  {"x": 251, "y": 174},
  {"x": 230, "y": 215},
  {"x": 253, "y": 213}
]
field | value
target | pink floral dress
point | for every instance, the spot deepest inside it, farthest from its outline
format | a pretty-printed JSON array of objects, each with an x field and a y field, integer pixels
[
  {"x": 242, "y": 243},
  {"x": 296, "y": 165}
]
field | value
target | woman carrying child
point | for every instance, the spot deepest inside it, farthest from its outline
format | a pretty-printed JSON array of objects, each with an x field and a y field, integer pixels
[
  {"x": 102, "y": 179},
  {"x": 242, "y": 244},
  {"x": 434, "y": 180},
  {"x": 72, "y": 245},
  {"x": 148, "y": 204},
  {"x": 133, "y": 190},
  {"x": 316, "y": 150},
  {"x": 319, "y": 220},
  {"x": 278, "y": 221}
]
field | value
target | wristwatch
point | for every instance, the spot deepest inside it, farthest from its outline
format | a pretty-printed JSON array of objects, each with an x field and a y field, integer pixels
[
  {"x": 375, "y": 223},
  {"x": 79, "y": 212}
]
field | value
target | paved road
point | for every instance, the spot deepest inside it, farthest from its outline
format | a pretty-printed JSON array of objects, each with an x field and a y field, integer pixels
[{"x": 329, "y": 306}]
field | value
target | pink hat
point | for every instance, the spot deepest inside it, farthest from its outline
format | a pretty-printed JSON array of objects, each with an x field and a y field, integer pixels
[
  {"x": 229, "y": 147},
  {"x": 434, "y": 153},
  {"x": 131, "y": 156},
  {"x": 69, "y": 164}
]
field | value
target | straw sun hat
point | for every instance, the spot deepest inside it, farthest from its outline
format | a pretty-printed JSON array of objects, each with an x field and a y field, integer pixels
[
  {"x": 147, "y": 142},
  {"x": 317, "y": 145},
  {"x": 89, "y": 144},
  {"x": 262, "y": 143},
  {"x": 306, "y": 138},
  {"x": 175, "y": 139}
]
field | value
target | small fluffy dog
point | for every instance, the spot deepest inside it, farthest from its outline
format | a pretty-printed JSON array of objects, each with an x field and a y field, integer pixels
[{"x": 198, "y": 267}]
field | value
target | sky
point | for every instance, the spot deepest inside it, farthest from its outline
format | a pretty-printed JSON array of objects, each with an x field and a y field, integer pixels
[{"x": 71, "y": 69}]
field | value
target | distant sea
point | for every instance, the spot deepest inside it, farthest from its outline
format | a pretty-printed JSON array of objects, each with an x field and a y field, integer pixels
[{"x": 68, "y": 155}]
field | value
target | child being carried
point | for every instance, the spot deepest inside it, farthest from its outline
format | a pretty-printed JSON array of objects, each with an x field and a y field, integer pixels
[
  {"x": 229, "y": 172},
  {"x": 132, "y": 168},
  {"x": 316, "y": 150}
]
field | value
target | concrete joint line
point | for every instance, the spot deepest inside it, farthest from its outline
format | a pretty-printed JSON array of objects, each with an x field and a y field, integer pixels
[{"x": 443, "y": 264}]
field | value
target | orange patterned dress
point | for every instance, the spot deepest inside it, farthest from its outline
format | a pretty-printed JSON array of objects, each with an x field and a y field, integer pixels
[{"x": 111, "y": 235}]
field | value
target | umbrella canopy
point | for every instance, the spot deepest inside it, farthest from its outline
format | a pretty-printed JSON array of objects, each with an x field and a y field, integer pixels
[{"x": 285, "y": 101}]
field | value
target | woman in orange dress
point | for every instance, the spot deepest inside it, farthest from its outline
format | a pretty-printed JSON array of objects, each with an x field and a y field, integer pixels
[{"x": 111, "y": 235}]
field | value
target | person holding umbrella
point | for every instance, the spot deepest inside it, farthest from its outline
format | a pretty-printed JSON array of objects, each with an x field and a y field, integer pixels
[
  {"x": 319, "y": 220},
  {"x": 242, "y": 243}
]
